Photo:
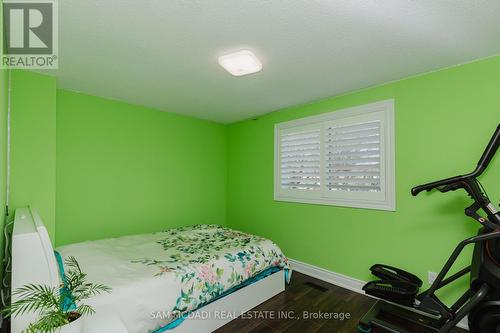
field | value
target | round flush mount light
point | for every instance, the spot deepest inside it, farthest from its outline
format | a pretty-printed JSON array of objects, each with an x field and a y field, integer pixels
[{"x": 240, "y": 63}]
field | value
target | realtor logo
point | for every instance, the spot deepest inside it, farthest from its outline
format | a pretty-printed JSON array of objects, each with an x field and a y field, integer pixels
[{"x": 29, "y": 34}]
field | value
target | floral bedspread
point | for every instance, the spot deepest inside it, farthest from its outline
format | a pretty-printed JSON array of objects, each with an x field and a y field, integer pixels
[
  {"x": 210, "y": 259},
  {"x": 174, "y": 271}
]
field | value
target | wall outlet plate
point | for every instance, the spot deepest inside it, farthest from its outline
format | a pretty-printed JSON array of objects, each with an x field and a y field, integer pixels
[{"x": 432, "y": 277}]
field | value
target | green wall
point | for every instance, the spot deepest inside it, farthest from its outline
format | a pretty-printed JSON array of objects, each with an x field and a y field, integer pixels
[
  {"x": 3, "y": 154},
  {"x": 3, "y": 151},
  {"x": 3, "y": 142},
  {"x": 33, "y": 145},
  {"x": 443, "y": 121},
  {"x": 120, "y": 169},
  {"x": 125, "y": 169}
]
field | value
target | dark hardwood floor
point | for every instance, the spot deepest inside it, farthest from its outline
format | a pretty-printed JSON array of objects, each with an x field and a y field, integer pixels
[{"x": 305, "y": 293}]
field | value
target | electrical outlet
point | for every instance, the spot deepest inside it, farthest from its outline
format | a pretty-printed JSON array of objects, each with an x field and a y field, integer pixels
[{"x": 432, "y": 276}]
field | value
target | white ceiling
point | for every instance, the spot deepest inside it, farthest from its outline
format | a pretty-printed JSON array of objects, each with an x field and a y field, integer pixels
[{"x": 163, "y": 54}]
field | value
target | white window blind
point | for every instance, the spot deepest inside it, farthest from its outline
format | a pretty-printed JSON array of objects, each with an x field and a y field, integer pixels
[
  {"x": 343, "y": 158},
  {"x": 353, "y": 157},
  {"x": 300, "y": 160}
]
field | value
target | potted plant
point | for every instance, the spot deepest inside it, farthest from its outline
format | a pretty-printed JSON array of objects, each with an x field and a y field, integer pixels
[{"x": 57, "y": 309}]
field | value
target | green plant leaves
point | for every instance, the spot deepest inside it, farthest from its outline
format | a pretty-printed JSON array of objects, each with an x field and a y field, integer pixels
[{"x": 46, "y": 301}]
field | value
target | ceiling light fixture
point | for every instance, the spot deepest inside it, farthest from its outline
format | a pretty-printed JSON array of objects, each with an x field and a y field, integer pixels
[{"x": 240, "y": 63}]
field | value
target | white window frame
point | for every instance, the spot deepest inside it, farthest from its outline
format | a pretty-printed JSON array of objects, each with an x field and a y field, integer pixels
[{"x": 383, "y": 200}]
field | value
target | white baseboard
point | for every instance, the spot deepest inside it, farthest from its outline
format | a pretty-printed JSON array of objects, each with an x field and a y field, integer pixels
[{"x": 340, "y": 280}]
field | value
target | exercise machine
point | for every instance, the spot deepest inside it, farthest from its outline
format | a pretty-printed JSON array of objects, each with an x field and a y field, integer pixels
[{"x": 401, "y": 304}]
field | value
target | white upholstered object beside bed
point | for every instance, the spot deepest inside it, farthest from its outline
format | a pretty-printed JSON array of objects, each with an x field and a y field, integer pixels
[
  {"x": 33, "y": 258},
  {"x": 34, "y": 262}
]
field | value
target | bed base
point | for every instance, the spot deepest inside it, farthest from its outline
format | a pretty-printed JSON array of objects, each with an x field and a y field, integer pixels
[{"x": 211, "y": 317}]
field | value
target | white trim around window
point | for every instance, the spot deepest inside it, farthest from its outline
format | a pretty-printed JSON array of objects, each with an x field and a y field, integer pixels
[{"x": 340, "y": 158}]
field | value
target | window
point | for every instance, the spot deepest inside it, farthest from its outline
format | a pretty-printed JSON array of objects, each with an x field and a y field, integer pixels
[{"x": 342, "y": 158}]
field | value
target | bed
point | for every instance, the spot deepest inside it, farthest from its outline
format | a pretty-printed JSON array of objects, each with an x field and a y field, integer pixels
[{"x": 188, "y": 279}]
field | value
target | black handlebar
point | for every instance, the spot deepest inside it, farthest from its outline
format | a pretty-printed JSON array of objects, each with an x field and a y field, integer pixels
[
  {"x": 488, "y": 153},
  {"x": 485, "y": 159},
  {"x": 430, "y": 186}
]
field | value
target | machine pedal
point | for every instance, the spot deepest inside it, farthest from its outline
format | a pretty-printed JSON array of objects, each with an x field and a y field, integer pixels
[
  {"x": 389, "y": 273},
  {"x": 399, "y": 292}
]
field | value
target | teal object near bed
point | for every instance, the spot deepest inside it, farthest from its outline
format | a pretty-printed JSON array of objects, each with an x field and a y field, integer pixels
[{"x": 67, "y": 304}]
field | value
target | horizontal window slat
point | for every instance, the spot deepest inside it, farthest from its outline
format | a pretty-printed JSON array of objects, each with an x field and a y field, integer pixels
[
  {"x": 335, "y": 173},
  {"x": 357, "y": 141},
  {"x": 355, "y": 127},
  {"x": 308, "y": 169},
  {"x": 299, "y": 153},
  {"x": 362, "y": 138},
  {"x": 294, "y": 143},
  {"x": 361, "y": 155},
  {"x": 302, "y": 166},
  {"x": 332, "y": 136},
  {"x": 335, "y": 178},
  {"x": 355, "y": 161},
  {"x": 354, "y": 149},
  {"x": 308, "y": 152},
  {"x": 298, "y": 167},
  {"x": 288, "y": 160},
  {"x": 353, "y": 188},
  {"x": 300, "y": 136},
  {"x": 357, "y": 164},
  {"x": 288, "y": 179},
  {"x": 300, "y": 146},
  {"x": 355, "y": 182},
  {"x": 301, "y": 187},
  {"x": 298, "y": 183},
  {"x": 300, "y": 174},
  {"x": 331, "y": 166}
]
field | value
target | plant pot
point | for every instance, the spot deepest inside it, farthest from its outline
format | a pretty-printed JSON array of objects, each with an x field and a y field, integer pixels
[{"x": 73, "y": 327}]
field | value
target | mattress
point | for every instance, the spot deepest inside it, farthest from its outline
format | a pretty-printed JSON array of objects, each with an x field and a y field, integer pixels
[{"x": 155, "y": 278}]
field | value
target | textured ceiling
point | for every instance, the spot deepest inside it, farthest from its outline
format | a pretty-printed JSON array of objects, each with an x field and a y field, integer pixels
[{"x": 163, "y": 54}]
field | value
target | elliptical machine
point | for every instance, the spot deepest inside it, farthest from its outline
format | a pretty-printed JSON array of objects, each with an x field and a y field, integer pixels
[{"x": 398, "y": 290}]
